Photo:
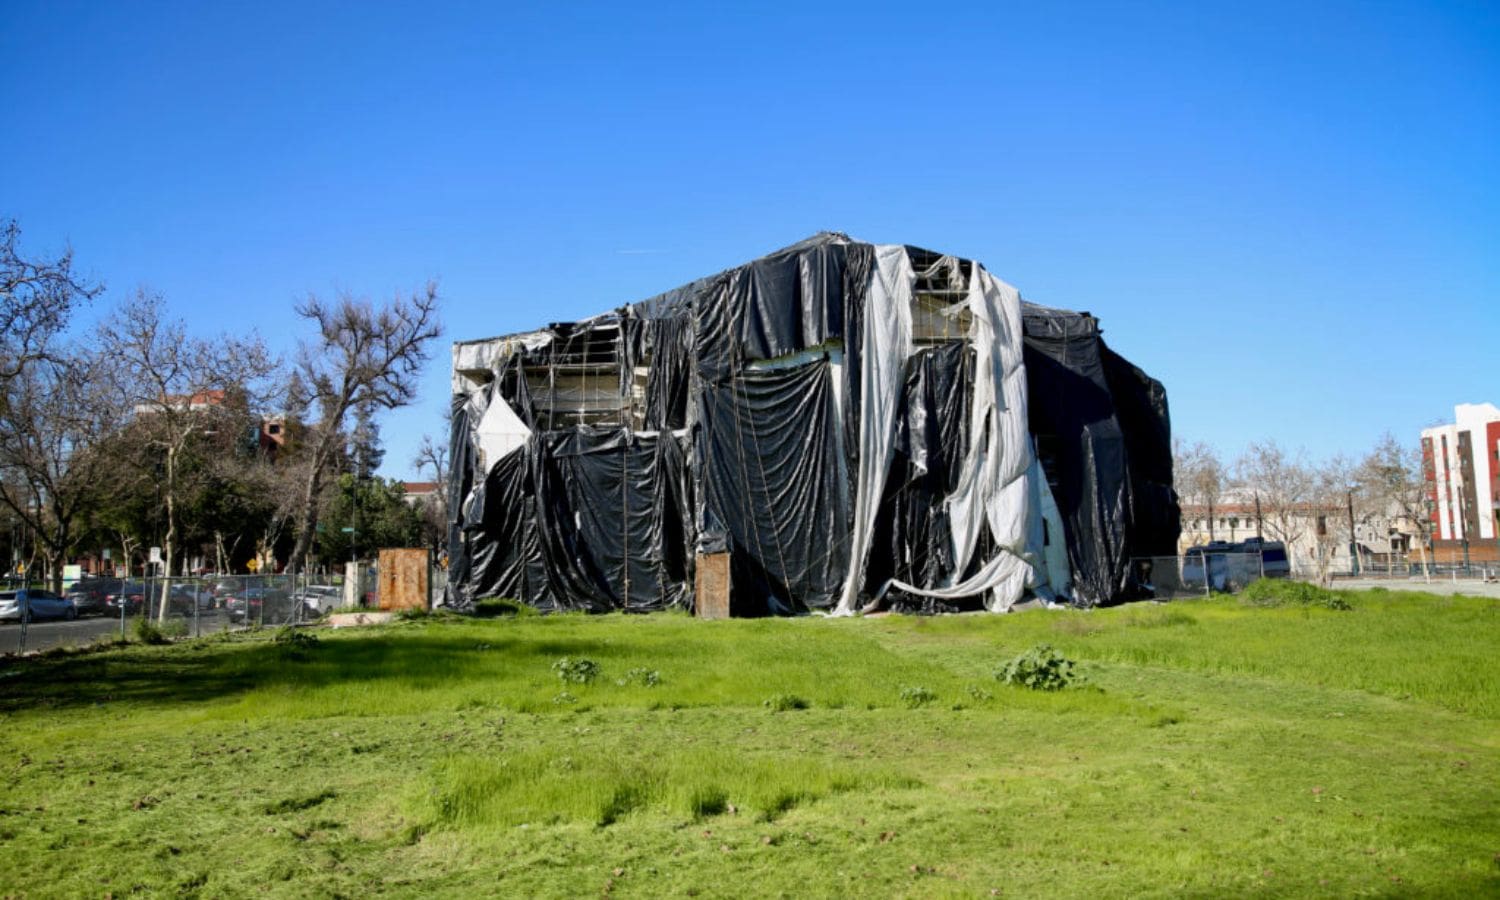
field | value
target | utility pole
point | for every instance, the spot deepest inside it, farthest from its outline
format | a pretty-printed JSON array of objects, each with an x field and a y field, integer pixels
[{"x": 1353, "y": 542}]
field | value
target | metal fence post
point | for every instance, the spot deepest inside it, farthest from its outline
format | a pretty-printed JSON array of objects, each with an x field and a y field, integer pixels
[{"x": 25, "y": 621}]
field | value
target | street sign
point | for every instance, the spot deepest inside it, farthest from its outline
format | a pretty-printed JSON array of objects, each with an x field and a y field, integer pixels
[
  {"x": 106, "y": 554},
  {"x": 347, "y": 530},
  {"x": 156, "y": 556}
]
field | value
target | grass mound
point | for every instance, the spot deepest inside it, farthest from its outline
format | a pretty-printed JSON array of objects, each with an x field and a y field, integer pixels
[
  {"x": 1273, "y": 592},
  {"x": 601, "y": 787}
]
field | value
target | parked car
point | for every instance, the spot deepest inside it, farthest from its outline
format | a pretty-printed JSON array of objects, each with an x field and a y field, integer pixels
[
  {"x": 129, "y": 595},
  {"x": 89, "y": 595},
  {"x": 261, "y": 604},
  {"x": 230, "y": 585},
  {"x": 317, "y": 599},
  {"x": 1272, "y": 556},
  {"x": 185, "y": 596},
  {"x": 41, "y": 604}
]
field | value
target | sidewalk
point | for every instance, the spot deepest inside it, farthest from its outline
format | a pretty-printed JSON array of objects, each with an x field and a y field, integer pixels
[{"x": 1440, "y": 584}]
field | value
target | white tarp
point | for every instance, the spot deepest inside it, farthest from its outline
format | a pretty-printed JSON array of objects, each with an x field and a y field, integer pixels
[
  {"x": 499, "y": 432},
  {"x": 993, "y": 485},
  {"x": 886, "y": 344}
]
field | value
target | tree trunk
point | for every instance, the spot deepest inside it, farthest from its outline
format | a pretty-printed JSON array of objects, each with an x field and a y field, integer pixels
[
  {"x": 310, "y": 498},
  {"x": 309, "y": 524},
  {"x": 161, "y": 609},
  {"x": 55, "y": 561}
]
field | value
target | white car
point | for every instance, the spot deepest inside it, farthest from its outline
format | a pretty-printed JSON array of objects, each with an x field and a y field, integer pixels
[
  {"x": 320, "y": 598},
  {"x": 39, "y": 603}
]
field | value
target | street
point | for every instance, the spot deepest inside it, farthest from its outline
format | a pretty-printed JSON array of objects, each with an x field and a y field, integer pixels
[{"x": 44, "y": 635}]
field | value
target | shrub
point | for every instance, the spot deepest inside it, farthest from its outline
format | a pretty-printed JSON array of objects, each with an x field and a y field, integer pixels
[
  {"x": 784, "y": 702},
  {"x": 1274, "y": 592},
  {"x": 576, "y": 671},
  {"x": 148, "y": 632},
  {"x": 1041, "y": 668}
]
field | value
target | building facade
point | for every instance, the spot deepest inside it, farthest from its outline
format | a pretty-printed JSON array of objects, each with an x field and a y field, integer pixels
[{"x": 1461, "y": 467}]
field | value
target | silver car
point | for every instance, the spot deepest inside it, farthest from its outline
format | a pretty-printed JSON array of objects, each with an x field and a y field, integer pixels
[{"x": 40, "y": 603}]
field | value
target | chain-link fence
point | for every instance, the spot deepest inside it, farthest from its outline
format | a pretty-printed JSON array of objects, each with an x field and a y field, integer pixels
[
  {"x": 1196, "y": 574},
  {"x": 33, "y": 617}
]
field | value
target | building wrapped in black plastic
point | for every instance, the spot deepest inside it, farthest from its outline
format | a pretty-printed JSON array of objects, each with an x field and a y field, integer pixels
[{"x": 837, "y": 426}]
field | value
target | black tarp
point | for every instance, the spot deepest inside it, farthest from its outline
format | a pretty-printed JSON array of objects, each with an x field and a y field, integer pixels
[
  {"x": 739, "y": 380},
  {"x": 913, "y": 541},
  {"x": 1081, "y": 445},
  {"x": 1141, "y": 407},
  {"x": 587, "y": 518},
  {"x": 769, "y": 468},
  {"x": 459, "y": 592}
]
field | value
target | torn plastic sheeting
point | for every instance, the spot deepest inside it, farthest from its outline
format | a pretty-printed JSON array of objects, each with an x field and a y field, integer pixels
[
  {"x": 499, "y": 432},
  {"x": 885, "y": 343},
  {"x": 505, "y": 555},
  {"x": 992, "y": 486},
  {"x": 1072, "y": 413},
  {"x": 913, "y": 540},
  {"x": 1140, "y": 402},
  {"x": 460, "y": 481},
  {"x": 954, "y": 520},
  {"x": 769, "y": 471}
]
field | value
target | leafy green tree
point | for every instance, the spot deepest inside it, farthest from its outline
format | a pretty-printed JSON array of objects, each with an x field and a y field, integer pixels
[{"x": 378, "y": 512}]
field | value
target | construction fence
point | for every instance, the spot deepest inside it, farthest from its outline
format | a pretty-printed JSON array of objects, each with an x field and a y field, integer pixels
[{"x": 1197, "y": 574}]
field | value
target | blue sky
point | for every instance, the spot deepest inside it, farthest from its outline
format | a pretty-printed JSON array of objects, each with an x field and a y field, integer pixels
[{"x": 1289, "y": 213}]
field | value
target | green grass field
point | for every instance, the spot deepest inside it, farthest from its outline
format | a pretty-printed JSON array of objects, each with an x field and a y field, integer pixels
[{"x": 1214, "y": 748}]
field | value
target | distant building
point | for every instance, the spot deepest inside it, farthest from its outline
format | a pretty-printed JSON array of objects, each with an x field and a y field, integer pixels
[
  {"x": 1461, "y": 466},
  {"x": 419, "y": 492},
  {"x": 1380, "y": 538}
]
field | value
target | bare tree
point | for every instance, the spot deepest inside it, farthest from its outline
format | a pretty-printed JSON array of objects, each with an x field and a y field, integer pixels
[
  {"x": 361, "y": 356},
  {"x": 1391, "y": 477},
  {"x": 56, "y": 415},
  {"x": 36, "y": 298},
  {"x": 1198, "y": 472},
  {"x": 179, "y": 387},
  {"x": 432, "y": 458},
  {"x": 1333, "y": 487},
  {"x": 1283, "y": 486}
]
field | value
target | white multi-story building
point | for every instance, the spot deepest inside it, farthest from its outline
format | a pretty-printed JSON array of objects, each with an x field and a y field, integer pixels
[{"x": 1461, "y": 464}]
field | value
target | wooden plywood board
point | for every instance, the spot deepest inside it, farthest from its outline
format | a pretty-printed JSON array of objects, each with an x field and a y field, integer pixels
[
  {"x": 403, "y": 578},
  {"x": 712, "y": 587}
]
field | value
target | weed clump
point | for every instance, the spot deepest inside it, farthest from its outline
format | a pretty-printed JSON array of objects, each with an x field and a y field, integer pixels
[
  {"x": 1041, "y": 668},
  {"x": 1273, "y": 592},
  {"x": 913, "y": 696},
  {"x": 295, "y": 638},
  {"x": 784, "y": 703},
  {"x": 641, "y": 676},
  {"x": 496, "y": 607},
  {"x": 149, "y": 632},
  {"x": 576, "y": 671}
]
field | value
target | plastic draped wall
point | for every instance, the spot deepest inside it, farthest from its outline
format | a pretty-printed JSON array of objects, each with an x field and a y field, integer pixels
[{"x": 857, "y": 426}]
